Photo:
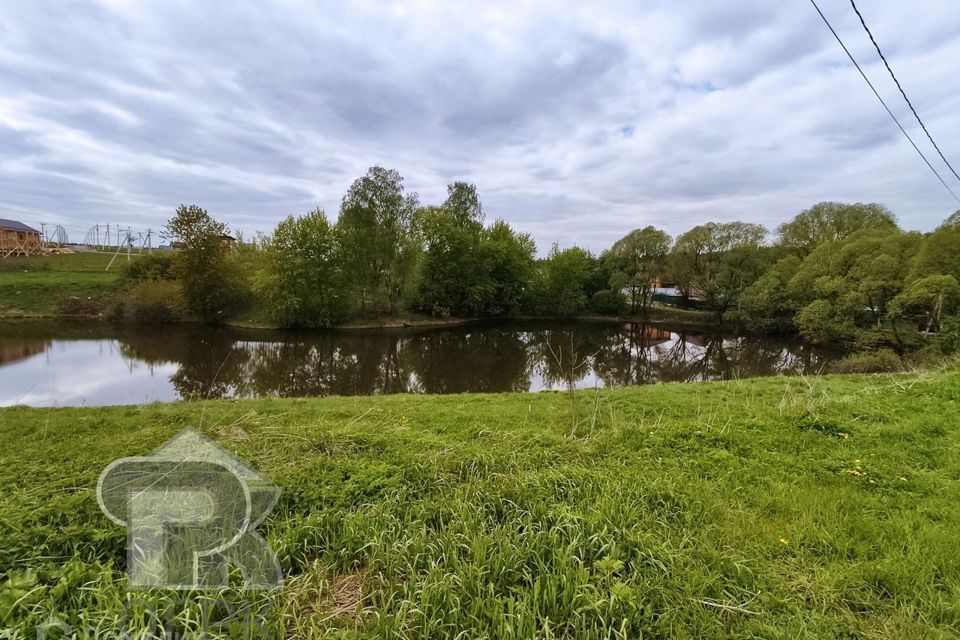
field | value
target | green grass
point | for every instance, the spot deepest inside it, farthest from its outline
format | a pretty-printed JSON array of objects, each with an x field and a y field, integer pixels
[
  {"x": 768, "y": 508},
  {"x": 58, "y": 285}
]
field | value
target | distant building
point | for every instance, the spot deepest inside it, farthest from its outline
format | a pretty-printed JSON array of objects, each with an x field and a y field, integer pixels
[{"x": 17, "y": 239}]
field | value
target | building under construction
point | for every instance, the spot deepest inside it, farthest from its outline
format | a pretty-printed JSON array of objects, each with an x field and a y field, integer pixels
[{"x": 17, "y": 239}]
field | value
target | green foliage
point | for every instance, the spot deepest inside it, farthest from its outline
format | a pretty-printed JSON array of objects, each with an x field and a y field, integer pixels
[
  {"x": 635, "y": 261},
  {"x": 939, "y": 253},
  {"x": 716, "y": 262},
  {"x": 766, "y": 306},
  {"x": 824, "y": 321},
  {"x": 153, "y": 300},
  {"x": 210, "y": 282},
  {"x": 466, "y": 269},
  {"x": 830, "y": 222},
  {"x": 564, "y": 282},
  {"x": 152, "y": 266},
  {"x": 303, "y": 280},
  {"x": 948, "y": 338},
  {"x": 608, "y": 302},
  {"x": 928, "y": 301},
  {"x": 508, "y": 258},
  {"x": 379, "y": 249},
  {"x": 857, "y": 276}
]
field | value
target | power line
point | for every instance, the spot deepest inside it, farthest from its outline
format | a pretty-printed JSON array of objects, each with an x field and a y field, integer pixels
[
  {"x": 872, "y": 88},
  {"x": 902, "y": 92}
]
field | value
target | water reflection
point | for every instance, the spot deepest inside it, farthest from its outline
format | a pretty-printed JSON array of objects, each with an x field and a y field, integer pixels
[{"x": 43, "y": 364}]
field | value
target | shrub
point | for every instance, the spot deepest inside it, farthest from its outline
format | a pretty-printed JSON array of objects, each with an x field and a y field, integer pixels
[
  {"x": 154, "y": 266},
  {"x": 879, "y": 361},
  {"x": 154, "y": 301},
  {"x": 608, "y": 301}
]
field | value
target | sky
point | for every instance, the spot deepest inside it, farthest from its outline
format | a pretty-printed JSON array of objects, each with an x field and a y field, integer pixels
[{"x": 577, "y": 121}]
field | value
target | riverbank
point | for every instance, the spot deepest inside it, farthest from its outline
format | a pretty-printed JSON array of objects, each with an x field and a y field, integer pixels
[
  {"x": 78, "y": 286},
  {"x": 775, "y": 508}
]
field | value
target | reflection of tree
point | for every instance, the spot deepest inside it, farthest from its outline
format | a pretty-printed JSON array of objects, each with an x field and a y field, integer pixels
[
  {"x": 479, "y": 359},
  {"x": 566, "y": 355},
  {"x": 219, "y": 362}
]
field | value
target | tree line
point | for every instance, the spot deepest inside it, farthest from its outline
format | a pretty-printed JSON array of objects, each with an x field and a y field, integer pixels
[{"x": 832, "y": 272}]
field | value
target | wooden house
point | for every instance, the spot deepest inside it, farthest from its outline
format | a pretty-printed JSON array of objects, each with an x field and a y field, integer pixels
[{"x": 17, "y": 239}]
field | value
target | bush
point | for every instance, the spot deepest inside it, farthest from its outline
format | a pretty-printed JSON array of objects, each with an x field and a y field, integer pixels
[
  {"x": 154, "y": 301},
  {"x": 154, "y": 266},
  {"x": 608, "y": 301},
  {"x": 879, "y": 361}
]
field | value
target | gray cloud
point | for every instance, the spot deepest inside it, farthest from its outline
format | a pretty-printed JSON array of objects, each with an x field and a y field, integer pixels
[{"x": 577, "y": 122}]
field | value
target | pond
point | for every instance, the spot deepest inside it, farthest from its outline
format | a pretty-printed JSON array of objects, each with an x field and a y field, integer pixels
[{"x": 78, "y": 364}]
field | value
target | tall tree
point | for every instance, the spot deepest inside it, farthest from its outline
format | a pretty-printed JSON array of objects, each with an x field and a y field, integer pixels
[
  {"x": 635, "y": 261},
  {"x": 717, "y": 261},
  {"x": 201, "y": 265},
  {"x": 463, "y": 203},
  {"x": 562, "y": 285},
  {"x": 304, "y": 282},
  {"x": 452, "y": 277},
  {"x": 379, "y": 248},
  {"x": 829, "y": 222}
]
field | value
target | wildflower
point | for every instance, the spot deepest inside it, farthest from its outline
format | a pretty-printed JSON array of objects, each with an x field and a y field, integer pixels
[{"x": 784, "y": 541}]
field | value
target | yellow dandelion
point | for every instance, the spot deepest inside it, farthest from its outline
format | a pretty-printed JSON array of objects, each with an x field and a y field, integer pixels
[{"x": 784, "y": 541}]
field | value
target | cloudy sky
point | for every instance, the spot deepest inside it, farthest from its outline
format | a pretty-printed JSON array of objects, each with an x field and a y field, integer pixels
[{"x": 577, "y": 121}]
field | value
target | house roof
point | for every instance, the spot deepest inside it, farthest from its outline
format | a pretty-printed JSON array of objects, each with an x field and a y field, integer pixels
[{"x": 13, "y": 225}]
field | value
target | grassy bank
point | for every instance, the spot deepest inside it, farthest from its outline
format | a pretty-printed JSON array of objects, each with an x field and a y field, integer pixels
[
  {"x": 768, "y": 508},
  {"x": 78, "y": 285},
  {"x": 70, "y": 285}
]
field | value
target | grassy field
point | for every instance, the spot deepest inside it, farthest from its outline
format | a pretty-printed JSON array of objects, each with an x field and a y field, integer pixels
[
  {"x": 76, "y": 284},
  {"x": 768, "y": 508}
]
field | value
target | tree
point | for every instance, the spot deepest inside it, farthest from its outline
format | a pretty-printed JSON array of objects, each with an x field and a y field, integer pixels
[
  {"x": 202, "y": 267},
  {"x": 304, "y": 282},
  {"x": 829, "y": 222},
  {"x": 379, "y": 248},
  {"x": 717, "y": 261},
  {"x": 563, "y": 282},
  {"x": 766, "y": 305},
  {"x": 928, "y": 300},
  {"x": 508, "y": 258},
  {"x": 451, "y": 278},
  {"x": 821, "y": 321},
  {"x": 939, "y": 252},
  {"x": 463, "y": 203},
  {"x": 952, "y": 221},
  {"x": 636, "y": 260},
  {"x": 858, "y": 274},
  {"x": 467, "y": 270}
]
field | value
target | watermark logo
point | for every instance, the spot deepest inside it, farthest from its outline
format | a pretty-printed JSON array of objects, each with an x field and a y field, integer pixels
[{"x": 191, "y": 509}]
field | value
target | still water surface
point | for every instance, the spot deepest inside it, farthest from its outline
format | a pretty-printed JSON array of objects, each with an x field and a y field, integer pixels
[{"x": 59, "y": 364}]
